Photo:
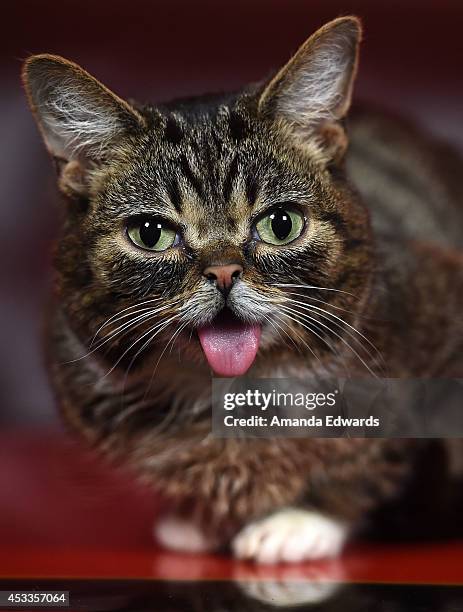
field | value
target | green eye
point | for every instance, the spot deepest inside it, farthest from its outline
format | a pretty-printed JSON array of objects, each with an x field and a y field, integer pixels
[
  {"x": 151, "y": 233},
  {"x": 280, "y": 226}
]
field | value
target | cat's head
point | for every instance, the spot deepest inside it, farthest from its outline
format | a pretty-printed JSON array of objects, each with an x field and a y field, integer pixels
[{"x": 221, "y": 222}]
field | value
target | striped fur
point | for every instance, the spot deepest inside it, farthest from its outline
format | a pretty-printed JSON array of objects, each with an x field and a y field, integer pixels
[{"x": 211, "y": 166}]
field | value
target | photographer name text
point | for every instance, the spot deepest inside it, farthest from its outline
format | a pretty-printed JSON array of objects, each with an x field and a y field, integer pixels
[{"x": 263, "y": 402}]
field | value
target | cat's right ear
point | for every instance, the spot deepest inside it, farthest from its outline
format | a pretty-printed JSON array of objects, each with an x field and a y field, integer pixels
[
  {"x": 309, "y": 97},
  {"x": 79, "y": 118}
]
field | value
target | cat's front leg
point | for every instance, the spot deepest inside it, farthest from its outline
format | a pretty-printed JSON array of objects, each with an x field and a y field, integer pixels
[{"x": 291, "y": 535}]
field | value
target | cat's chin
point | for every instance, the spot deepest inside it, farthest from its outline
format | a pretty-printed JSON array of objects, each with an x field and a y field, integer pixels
[{"x": 229, "y": 344}]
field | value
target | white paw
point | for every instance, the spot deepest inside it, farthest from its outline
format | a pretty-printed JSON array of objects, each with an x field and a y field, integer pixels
[
  {"x": 290, "y": 535},
  {"x": 180, "y": 535}
]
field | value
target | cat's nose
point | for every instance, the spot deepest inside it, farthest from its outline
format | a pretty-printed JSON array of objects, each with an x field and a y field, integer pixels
[{"x": 223, "y": 276}]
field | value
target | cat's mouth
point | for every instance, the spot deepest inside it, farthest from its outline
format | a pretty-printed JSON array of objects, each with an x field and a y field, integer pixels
[{"x": 229, "y": 344}]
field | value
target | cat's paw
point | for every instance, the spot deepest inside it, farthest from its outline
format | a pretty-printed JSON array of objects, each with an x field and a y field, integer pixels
[
  {"x": 290, "y": 535},
  {"x": 180, "y": 535}
]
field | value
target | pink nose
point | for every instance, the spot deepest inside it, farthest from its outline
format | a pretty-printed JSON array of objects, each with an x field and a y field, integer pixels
[{"x": 223, "y": 276}]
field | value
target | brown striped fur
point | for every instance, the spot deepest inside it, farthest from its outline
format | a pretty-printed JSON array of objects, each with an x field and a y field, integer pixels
[{"x": 211, "y": 165}]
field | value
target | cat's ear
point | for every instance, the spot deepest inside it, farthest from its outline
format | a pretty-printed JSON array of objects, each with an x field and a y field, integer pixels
[
  {"x": 312, "y": 93},
  {"x": 79, "y": 118}
]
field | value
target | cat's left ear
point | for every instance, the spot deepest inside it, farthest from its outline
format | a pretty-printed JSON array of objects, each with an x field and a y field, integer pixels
[
  {"x": 312, "y": 93},
  {"x": 80, "y": 119}
]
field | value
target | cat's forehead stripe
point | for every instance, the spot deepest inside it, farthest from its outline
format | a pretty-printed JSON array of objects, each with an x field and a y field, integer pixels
[
  {"x": 238, "y": 127},
  {"x": 173, "y": 191},
  {"x": 173, "y": 131},
  {"x": 230, "y": 178},
  {"x": 217, "y": 162},
  {"x": 194, "y": 180},
  {"x": 252, "y": 187}
]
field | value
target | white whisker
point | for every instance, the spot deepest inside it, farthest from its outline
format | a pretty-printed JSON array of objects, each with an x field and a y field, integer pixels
[
  {"x": 158, "y": 327},
  {"x": 290, "y": 285},
  {"x": 132, "y": 324},
  {"x": 122, "y": 311},
  {"x": 314, "y": 322},
  {"x": 319, "y": 323},
  {"x": 340, "y": 322},
  {"x": 313, "y": 299},
  {"x": 301, "y": 339},
  {"x": 172, "y": 339}
]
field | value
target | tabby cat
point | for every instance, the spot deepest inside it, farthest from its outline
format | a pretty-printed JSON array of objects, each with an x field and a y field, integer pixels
[{"x": 239, "y": 233}]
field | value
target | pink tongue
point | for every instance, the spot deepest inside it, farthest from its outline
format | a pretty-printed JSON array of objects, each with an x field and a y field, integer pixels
[{"x": 230, "y": 345}]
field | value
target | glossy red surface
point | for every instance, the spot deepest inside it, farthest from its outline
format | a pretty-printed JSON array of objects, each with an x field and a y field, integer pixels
[{"x": 63, "y": 514}]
